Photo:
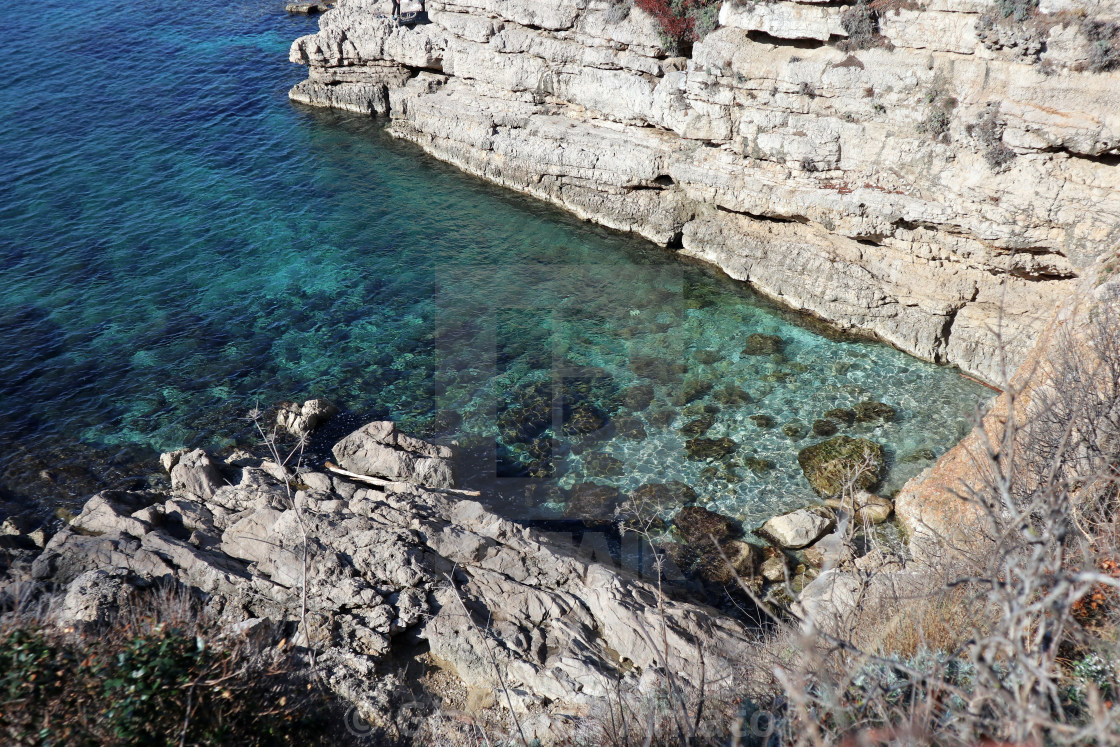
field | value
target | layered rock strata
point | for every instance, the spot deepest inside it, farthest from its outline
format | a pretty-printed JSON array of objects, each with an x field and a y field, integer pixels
[{"x": 941, "y": 189}]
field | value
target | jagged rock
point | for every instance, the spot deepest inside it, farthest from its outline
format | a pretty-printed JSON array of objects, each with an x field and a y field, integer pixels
[
  {"x": 303, "y": 419},
  {"x": 773, "y": 568},
  {"x": 831, "y": 464},
  {"x": 380, "y": 450},
  {"x": 798, "y": 529},
  {"x": 95, "y": 596},
  {"x": 195, "y": 473},
  {"x": 170, "y": 458},
  {"x": 403, "y": 561},
  {"x": 309, "y": 8}
]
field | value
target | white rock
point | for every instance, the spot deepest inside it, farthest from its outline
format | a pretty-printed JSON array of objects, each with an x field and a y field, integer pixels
[{"x": 798, "y": 529}]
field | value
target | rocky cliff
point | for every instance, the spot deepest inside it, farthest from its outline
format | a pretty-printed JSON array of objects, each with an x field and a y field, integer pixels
[{"x": 935, "y": 173}]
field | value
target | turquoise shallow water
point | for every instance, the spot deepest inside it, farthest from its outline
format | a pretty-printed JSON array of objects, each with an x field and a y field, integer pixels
[{"x": 178, "y": 242}]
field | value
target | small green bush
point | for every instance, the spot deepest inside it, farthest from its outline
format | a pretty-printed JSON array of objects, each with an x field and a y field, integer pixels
[
  {"x": 1104, "y": 53},
  {"x": 149, "y": 685},
  {"x": 1019, "y": 10}
]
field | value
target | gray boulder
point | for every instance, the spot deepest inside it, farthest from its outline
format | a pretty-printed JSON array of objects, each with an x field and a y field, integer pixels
[
  {"x": 380, "y": 450},
  {"x": 195, "y": 473},
  {"x": 798, "y": 529},
  {"x": 303, "y": 419}
]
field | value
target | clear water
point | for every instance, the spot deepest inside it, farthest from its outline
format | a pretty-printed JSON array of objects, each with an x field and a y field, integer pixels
[{"x": 178, "y": 242}]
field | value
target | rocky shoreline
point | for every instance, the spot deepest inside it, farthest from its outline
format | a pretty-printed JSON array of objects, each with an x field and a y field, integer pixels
[
  {"x": 786, "y": 153},
  {"x": 400, "y": 563}
]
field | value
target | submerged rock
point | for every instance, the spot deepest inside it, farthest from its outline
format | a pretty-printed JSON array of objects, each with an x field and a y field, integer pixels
[
  {"x": 762, "y": 420},
  {"x": 707, "y": 357},
  {"x": 698, "y": 525},
  {"x": 584, "y": 419},
  {"x": 699, "y": 449},
  {"x": 638, "y": 398},
  {"x": 825, "y": 428},
  {"x": 795, "y": 429},
  {"x": 691, "y": 391},
  {"x": 602, "y": 465},
  {"x": 591, "y": 500},
  {"x": 829, "y": 465},
  {"x": 731, "y": 396},
  {"x": 523, "y": 424},
  {"x": 919, "y": 455},
  {"x": 656, "y": 368},
  {"x": 843, "y": 415},
  {"x": 657, "y": 496},
  {"x": 760, "y": 344},
  {"x": 870, "y": 411},
  {"x": 699, "y": 426},
  {"x": 757, "y": 465},
  {"x": 630, "y": 427}
]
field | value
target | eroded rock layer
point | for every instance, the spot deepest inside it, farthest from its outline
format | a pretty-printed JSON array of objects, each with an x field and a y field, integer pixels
[{"x": 961, "y": 164}]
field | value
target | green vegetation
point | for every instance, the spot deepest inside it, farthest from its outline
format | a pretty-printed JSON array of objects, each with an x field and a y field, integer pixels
[{"x": 151, "y": 684}]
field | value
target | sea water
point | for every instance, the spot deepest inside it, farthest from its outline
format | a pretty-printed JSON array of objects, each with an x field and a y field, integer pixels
[{"x": 179, "y": 243}]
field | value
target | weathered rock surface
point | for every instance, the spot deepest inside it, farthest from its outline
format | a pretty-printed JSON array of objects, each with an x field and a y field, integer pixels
[
  {"x": 797, "y": 529},
  {"x": 862, "y": 506},
  {"x": 380, "y": 450},
  {"x": 303, "y": 419},
  {"x": 1078, "y": 352},
  {"x": 808, "y": 171},
  {"x": 385, "y": 567}
]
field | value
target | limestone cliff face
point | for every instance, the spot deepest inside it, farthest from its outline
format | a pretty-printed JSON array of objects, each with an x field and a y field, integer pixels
[{"x": 947, "y": 182}]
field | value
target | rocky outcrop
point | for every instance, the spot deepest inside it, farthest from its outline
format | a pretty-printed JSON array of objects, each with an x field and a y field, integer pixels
[
  {"x": 381, "y": 568},
  {"x": 941, "y": 188},
  {"x": 1062, "y": 403}
]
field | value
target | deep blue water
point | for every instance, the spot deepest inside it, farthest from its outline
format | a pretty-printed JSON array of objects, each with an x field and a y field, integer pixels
[{"x": 179, "y": 243}]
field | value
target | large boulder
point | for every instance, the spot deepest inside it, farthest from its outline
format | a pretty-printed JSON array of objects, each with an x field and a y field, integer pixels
[
  {"x": 830, "y": 465},
  {"x": 195, "y": 473},
  {"x": 380, "y": 450},
  {"x": 798, "y": 529}
]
